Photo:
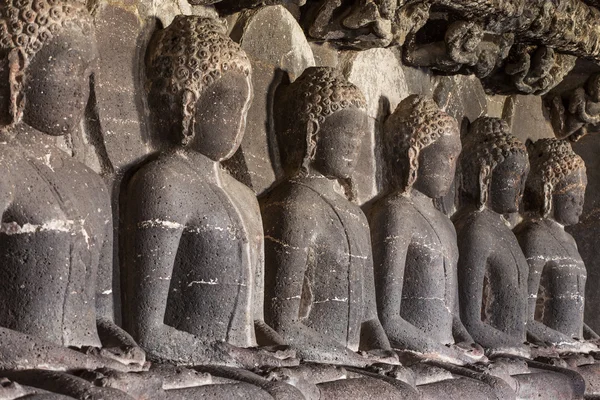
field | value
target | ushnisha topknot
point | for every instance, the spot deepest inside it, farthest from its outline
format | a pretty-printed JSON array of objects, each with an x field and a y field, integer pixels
[
  {"x": 316, "y": 94},
  {"x": 25, "y": 26},
  {"x": 488, "y": 143},
  {"x": 187, "y": 57},
  {"x": 416, "y": 124},
  {"x": 551, "y": 160}
]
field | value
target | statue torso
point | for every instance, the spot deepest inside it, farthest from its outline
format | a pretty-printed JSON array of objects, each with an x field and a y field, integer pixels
[
  {"x": 52, "y": 233},
  {"x": 504, "y": 303},
  {"x": 560, "y": 299},
  {"x": 211, "y": 291},
  {"x": 338, "y": 253},
  {"x": 429, "y": 292}
]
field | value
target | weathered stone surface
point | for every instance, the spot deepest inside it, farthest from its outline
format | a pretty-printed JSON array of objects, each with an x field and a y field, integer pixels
[
  {"x": 460, "y": 96},
  {"x": 326, "y": 55},
  {"x": 528, "y": 118},
  {"x": 554, "y": 196},
  {"x": 276, "y": 46},
  {"x": 587, "y": 231},
  {"x": 383, "y": 93}
]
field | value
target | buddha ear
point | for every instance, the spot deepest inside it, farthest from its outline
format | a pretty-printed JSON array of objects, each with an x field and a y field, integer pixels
[
  {"x": 187, "y": 123},
  {"x": 17, "y": 63},
  {"x": 485, "y": 173}
]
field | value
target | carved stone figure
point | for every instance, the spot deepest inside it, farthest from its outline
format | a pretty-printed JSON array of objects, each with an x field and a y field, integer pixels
[
  {"x": 319, "y": 287},
  {"x": 492, "y": 270},
  {"x": 577, "y": 113},
  {"x": 466, "y": 48},
  {"x": 414, "y": 245},
  {"x": 530, "y": 70},
  {"x": 554, "y": 195},
  {"x": 194, "y": 248},
  {"x": 56, "y": 232},
  {"x": 364, "y": 23}
]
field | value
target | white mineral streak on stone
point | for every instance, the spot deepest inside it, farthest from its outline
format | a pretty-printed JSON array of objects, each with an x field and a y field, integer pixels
[
  {"x": 356, "y": 256},
  {"x": 285, "y": 298},
  {"x": 572, "y": 296},
  {"x": 340, "y": 300},
  {"x": 279, "y": 242},
  {"x": 46, "y": 161},
  {"x": 554, "y": 258},
  {"x": 440, "y": 299},
  {"x": 107, "y": 291},
  {"x": 158, "y": 223},
  {"x": 13, "y": 228},
  {"x": 203, "y": 282}
]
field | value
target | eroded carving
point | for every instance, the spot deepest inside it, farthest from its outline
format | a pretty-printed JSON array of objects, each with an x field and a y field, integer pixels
[
  {"x": 554, "y": 196},
  {"x": 56, "y": 229},
  {"x": 466, "y": 48},
  {"x": 577, "y": 113},
  {"x": 366, "y": 23},
  {"x": 492, "y": 269},
  {"x": 319, "y": 287}
]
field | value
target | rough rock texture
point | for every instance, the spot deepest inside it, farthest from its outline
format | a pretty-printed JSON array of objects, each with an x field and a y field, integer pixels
[
  {"x": 383, "y": 92},
  {"x": 587, "y": 230},
  {"x": 279, "y": 52}
]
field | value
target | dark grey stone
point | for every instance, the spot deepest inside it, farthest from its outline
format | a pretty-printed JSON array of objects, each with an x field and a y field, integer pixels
[{"x": 319, "y": 287}]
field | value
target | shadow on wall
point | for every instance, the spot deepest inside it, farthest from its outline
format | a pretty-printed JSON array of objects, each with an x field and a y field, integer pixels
[{"x": 587, "y": 232}]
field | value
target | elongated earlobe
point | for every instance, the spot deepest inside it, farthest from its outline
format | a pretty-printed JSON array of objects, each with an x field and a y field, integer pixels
[
  {"x": 485, "y": 173},
  {"x": 312, "y": 129},
  {"x": 16, "y": 76}
]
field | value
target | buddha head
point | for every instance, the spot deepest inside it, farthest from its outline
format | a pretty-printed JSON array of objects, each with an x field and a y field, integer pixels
[
  {"x": 323, "y": 123},
  {"x": 423, "y": 146},
  {"x": 48, "y": 53},
  {"x": 556, "y": 185},
  {"x": 494, "y": 166},
  {"x": 200, "y": 87}
]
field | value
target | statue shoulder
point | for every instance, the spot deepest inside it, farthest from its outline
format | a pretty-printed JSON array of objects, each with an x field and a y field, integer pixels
[
  {"x": 7, "y": 183},
  {"x": 472, "y": 225},
  {"x": 533, "y": 234},
  {"x": 395, "y": 210},
  {"x": 288, "y": 200}
]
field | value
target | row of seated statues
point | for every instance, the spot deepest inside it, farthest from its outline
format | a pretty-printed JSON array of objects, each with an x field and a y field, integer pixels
[{"x": 300, "y": 294}]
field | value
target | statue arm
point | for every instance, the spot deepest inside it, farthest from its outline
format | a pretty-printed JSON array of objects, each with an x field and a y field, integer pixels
[
  {"x": 289, "y": 248},
  {"x": 265, "y": 335},
  {"x": 390, "y": 248},
  {"x": 372, "y": 334},
  {"x": 589, "y": 332},
  {"x": 474, "y": 252},
  {"x": 535, "y": 328},
  {"x": 154, "y": 225}
]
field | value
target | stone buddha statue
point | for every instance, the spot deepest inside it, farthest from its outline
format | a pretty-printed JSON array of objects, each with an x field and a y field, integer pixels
[
  {"x": 56, "y": 233},
  {"x": 319, "y": 286},
  {"x": 415, "y": 251},
  {"x": 414, "y": 244},
  {"x": 492, "y": 270},
  {"x": 554, "y": 196},
  {"x": 193, "y": 275}
]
